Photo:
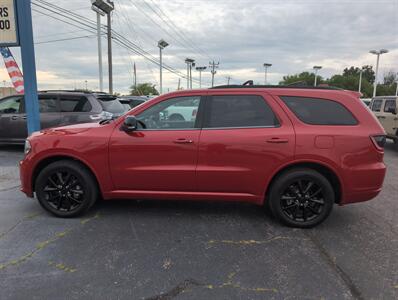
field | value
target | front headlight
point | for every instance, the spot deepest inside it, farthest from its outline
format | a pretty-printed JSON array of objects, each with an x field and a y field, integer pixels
[{"x": 28, "y": 147}]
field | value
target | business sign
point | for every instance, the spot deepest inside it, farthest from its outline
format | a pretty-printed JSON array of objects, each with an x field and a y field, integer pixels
[{"x": 8, "y": 23}]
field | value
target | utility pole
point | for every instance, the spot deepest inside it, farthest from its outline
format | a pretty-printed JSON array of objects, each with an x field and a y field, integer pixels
[
  {"x": 135, "y": 77},
  {"x": 179, "y": 84},
  {"x": 213, "y": 71},
  {"x": 106, "y": 7},
  {"x": 190, "y": 63},
  {"x": 316, "y": 68},
  {"x": 228, "y": 79},
  {"x": 110, "y": 67},
  {"x": 200, "y": 69},
  {"x": 266, "y": 66},
  {"x": 378, "y": 53}
]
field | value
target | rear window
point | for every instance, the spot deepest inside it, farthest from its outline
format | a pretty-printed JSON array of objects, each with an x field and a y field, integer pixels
[
  {"x": 75, "y": 104},
  {"x": 112, "y": 106},
  {"x": 316, "y": 111}
]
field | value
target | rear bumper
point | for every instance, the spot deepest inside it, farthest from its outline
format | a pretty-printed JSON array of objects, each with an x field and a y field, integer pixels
[
  {"x": 26, "y": 178},
  {"x": 364, "y": 184}
]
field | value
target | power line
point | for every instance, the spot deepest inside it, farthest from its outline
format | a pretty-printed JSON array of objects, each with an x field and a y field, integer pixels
[
  {"x": 176, "y": 29},
  {"x": 65, "y": 39}
]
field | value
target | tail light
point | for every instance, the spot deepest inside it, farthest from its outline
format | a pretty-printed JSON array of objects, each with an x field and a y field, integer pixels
[{"x": 379, "y": 141}]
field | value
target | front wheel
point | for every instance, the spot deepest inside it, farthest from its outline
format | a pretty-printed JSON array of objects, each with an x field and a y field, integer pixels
[
  {"x": 66, "y": 188},
  {"x": 301, "y": 198}
]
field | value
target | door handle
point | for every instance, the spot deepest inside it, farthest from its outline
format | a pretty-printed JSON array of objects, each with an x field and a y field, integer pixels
[
  {"x": 381, "y": 117},
  {"x": 14, "y": 118},
  {"x": 183, "y": 141},
  {"x": 276, "y": 140},
  {"x": 24, "y": 117}
]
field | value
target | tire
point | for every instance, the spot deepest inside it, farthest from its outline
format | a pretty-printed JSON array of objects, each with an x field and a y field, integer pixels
[
  {"x": 66, "y": 188},
  {"x": 301, "y": 198}
]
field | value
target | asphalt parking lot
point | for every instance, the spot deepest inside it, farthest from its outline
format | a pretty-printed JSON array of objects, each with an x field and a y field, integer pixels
[{"x": 192, "y": 250}]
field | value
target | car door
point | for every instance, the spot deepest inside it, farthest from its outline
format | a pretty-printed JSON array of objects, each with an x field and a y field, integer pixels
[
  {"x": 389, "y": 121},
  {"x": 245, "y": 138},
  {"x": 12, "y": 120},
  {"x": 160, "y": 155},
  {"x": 50, "y": 115}
]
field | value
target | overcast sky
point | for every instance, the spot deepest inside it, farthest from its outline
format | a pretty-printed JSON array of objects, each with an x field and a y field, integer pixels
[{"x": 293, "y": 35}]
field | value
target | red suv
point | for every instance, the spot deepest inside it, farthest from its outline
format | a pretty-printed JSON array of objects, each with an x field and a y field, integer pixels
[{"x": 296, "y": 150}]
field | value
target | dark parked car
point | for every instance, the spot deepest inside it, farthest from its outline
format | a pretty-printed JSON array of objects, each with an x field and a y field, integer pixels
[
  {"x": 130, "y": 102},
  {"x": 57, "y": 108}
]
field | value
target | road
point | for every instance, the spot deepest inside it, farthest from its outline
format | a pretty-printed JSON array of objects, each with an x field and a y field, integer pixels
[{"x": 191, "y": 250}]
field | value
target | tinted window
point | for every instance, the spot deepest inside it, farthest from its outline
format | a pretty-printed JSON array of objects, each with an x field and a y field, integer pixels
[
  {"x": 173, "y": 113},
  {"x": 48, "y": 104},
  {"x": 319, "y": 111},
  {"x": 376, "y": 105},
  {"x": 75, "y": 104},
  {"x": 389, "y": 106},
  {"x": 10, "y": 105},
  {"x": 239, "y": 111}
]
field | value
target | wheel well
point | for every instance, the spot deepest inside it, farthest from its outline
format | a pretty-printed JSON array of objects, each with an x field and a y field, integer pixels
[
  {"x": 45, "y": 162},
  {"x": 325, "y": 171}
]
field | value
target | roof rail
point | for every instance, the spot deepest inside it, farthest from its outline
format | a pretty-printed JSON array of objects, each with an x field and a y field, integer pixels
[
  {"x": 66, "y": 91},
  {"x": 237, "y": 86}
]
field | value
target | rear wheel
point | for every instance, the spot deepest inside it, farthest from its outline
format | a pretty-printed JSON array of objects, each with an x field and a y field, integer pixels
[
  {"x": 301, "y": 198},
  {"x": 66, "y": 188}
]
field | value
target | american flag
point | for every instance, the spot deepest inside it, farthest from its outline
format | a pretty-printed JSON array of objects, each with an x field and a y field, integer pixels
[{"x": 13, "y": 69}]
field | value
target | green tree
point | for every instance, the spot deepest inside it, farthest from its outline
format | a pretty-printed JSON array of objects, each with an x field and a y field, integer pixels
[
  {"x": 143, "y": 89},
  {"x": 351, "y": 82},
  {"x": 305, "y": 78},
  {"x": 390, "y": 78},
  {"x": 367, "y": 73}
]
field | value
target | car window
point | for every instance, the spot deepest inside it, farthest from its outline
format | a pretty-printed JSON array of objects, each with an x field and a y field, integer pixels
[
  {"x": 239, "y": 111},
  {"x": 112, "y": 106},
  {"x": 10, "y": 105},
  {"x": 315, "y": 111},
  {"x": 376, "y": 104},
  {"x": 389, "y": 106},
  {"x": 170, "y": 114},
  {"x": 74, "y": 104},
  {"x": 48, "y": 104}
]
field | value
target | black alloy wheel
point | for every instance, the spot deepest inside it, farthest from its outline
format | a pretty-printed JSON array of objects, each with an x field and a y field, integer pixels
[
  {"x": 66, "y": 188},
  {"x": 301, "y": 198}
]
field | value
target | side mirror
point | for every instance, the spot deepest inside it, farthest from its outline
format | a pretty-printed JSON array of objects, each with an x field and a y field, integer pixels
[{"x": 130, "y": 123}]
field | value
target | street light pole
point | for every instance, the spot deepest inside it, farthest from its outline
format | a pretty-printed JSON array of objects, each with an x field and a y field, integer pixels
[
  {"x": 266, "y": 66},
  {"x": 378, "y": 53},
  {"x": 200, "y": 69},
  {"x": 161, "y": 44},
  {"x": 190, "y": 63},
  {"x": 316, "y": 68},
  {"x": 360, "y": 80},
  {"x": 100, "y": 72},
  {"x": 105, "y": 7}
]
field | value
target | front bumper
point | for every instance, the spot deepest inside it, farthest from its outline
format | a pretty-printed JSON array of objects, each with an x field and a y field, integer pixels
[{"x": 26, "y": 178}]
